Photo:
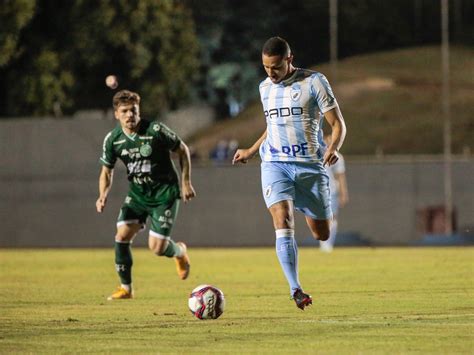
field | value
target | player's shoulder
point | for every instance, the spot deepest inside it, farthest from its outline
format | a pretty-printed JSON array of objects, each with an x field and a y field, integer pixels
[
  {"x": 145, "y": 126},
  {"x": 158, "y": 128},
  {"x": 154, "y": 126},
  {"x": 306, "y": 73},
  {"x": 151, "y": 127},
  {"x": 318, "y": 77},
  {"x": 114, "y": 135},
  {"x": 265, "y": 83},
  {"x": 298, "y": 76}
]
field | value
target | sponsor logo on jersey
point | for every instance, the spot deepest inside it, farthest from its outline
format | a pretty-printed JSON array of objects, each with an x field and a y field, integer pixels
[
  {"x": 156, "y": 127},
  {"x": 146, "y": 150},
  {"x": 294, "y": 149},
  {"x": 283, "y": 112},
  {"x": 124, "y": 152}
]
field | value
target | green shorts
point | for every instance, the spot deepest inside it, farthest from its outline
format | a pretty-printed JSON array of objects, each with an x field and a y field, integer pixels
[{"x": 161, "y": 205}]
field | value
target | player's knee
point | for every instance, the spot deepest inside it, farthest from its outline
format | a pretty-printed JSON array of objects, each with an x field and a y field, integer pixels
[
  {"x": 283, "y": 221},
  {"x": 320, "y": 229},
  {"x": 123, "y": 238},
  {"x": 321, "y": 235}
]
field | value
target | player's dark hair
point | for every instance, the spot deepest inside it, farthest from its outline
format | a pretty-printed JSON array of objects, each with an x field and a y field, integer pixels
[
  {"x": 125, "y": 97},
  {"x": 276, "y": 46}
]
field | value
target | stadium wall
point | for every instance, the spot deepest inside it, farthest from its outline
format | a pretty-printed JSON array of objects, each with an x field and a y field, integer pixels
[{"x": 49, "y": 172}]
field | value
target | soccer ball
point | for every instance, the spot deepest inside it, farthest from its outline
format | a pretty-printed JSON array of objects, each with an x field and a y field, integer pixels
[
  {"x": 206, "y": 302},
  {"x": 111, "y": 81}
]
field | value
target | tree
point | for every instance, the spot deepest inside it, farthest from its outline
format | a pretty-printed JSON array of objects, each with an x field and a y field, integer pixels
[
  {"x": 14, "y": 16},
  {"x": 70, "y": 47}
]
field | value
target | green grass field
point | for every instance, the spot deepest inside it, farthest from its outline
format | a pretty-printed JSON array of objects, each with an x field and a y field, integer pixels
[{"x": 382, "y": 300}]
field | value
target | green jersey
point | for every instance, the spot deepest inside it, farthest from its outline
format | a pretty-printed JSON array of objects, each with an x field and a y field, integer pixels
[{"x": 146, "y": 154}]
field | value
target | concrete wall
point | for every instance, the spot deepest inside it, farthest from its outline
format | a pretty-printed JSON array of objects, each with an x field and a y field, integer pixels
[{"x": 48, "y": 188}]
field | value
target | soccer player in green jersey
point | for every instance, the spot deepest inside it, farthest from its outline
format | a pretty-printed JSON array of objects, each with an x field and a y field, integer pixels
[{"x": 144, "y": 147}]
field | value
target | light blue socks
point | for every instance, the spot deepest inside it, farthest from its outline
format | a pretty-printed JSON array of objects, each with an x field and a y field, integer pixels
[{"x": 287, "y": 253}]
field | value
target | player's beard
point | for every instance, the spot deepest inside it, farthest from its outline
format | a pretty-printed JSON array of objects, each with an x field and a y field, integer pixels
[{"x": 132, "y": 123}]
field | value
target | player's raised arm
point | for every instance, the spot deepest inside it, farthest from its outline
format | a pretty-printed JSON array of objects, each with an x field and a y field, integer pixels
[
  {"x": 187, "y": 189},
  {"x": 243, "y": 155},
  {"x": 336, "y": 121},
  {"x": 105, "y": 183}
]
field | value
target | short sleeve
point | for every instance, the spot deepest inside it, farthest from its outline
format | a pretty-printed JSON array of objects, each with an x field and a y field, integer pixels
[
  {"x": 108, "y": 157},
  {"x": 322, "y": 92},
  {"x": 166, "y": 136}
]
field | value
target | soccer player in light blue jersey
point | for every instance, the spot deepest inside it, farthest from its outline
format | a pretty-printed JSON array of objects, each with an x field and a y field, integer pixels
[{"x": 293, "y": 153}]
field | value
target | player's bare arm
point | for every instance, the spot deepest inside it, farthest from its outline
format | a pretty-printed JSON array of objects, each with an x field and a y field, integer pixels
[
  {"x": 187, "y": 189},
  {"x": 243, "y": 155},
  {"x": 336, "y": 121},
  {"x": 105, "y": 183}
]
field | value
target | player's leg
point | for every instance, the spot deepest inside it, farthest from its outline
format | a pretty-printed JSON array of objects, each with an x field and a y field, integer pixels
[
  {"x": 123, "y": 258},
  {"x": 159, "y": 240},
  {"x": 278, "y": 192},
  {"x": 285, "y": 244},
  {"x": 131, "y": 220},
  {"x": 313, "y": 199},
  {"x": 287, "y": 250},
  {"x": 319, "y": 228},
  {"x": 328, "y": 245}
]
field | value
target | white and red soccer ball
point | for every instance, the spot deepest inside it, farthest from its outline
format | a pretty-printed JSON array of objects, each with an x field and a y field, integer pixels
[
  {"x": 206, "y": 302},
  {"x": 111, "y": 81}
]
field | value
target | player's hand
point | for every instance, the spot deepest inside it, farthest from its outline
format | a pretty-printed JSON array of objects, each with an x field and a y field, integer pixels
[
  {"x": 242, "y": 156},
  {"x": 187, "y": 192},
  {"x": 100, "y": 204},
  {"x": 330, "y": 157}
]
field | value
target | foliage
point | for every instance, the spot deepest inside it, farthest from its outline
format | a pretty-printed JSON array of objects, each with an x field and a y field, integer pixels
[
  {"x": 168, "y": 49},
  {"x": 149, "y": 45},
  {"x": 14, "y": 16}
]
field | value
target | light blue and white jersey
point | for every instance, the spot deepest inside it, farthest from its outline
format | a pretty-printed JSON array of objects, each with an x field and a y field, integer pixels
[{"x": 294, "y": 109}]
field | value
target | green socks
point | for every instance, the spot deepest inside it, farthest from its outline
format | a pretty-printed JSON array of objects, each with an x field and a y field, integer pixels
[
  {"x": 172, "y": 250},
  {"x": 123, "y": 262}
]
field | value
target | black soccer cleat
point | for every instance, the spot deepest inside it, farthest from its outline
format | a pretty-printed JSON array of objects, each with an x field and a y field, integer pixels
[{"x": 302, "y": 299}]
